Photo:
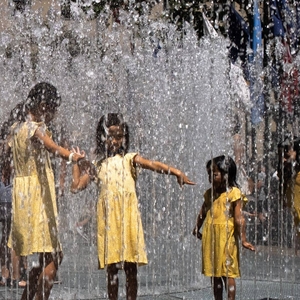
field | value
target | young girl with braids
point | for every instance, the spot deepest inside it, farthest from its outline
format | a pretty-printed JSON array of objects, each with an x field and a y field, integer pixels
[
  {"x": 120, "y": 234},
  {"x": 224, "y": 225}
]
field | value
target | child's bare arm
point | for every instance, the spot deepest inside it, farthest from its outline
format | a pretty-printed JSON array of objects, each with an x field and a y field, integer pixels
[
  {"x": 52, "y": 147},
  {"x": 82, "y": 174},
  {"x": 6, "y": 165},
  {"x": 240, "y": 224},
  {"x": 160, "y": 167},
  {"x": 200, "y": 219}
]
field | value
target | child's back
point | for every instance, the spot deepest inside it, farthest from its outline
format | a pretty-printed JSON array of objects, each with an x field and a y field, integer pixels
[{"x": 34, "y": 183}]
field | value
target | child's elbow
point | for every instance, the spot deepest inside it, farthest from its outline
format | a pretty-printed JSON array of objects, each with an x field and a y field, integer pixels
[
  {"x": 74, "y": 190},
  {"x": 74, "y": 187}
]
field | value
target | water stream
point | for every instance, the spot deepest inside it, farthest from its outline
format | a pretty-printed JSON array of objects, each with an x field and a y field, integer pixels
[{"x": 179, "y": 100}]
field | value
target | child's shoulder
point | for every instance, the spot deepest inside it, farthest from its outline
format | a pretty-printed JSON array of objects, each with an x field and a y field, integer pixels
[
  {"x": 100, "y": 159},
  {"x": 236, "y": 194},
  {"x": 21, "y": 128},
  {"x": 32, "y": 125},
  {"x": 235, "y": 189},
  {"x": 130, "y": 155}
]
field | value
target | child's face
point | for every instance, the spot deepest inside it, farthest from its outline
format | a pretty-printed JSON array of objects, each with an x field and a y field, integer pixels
[
  {"x": 215, "y": 176},
  {"x": 47, "y": 112},
  {"x": 288, "y": 154},
  {"x": 114, "y": 139}
]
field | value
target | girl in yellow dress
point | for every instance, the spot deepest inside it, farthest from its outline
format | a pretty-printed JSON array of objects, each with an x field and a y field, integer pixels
[
  {"x": 120, "y": 235},
  {"x": 289, "y": 177},
  {"x": 221, "y": 214},
  {"x": 34, "y": 218}
]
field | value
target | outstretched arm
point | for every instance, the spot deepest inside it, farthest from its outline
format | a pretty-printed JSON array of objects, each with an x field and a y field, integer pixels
[
  {"x": 52, "y": 147},
  {"x": 240, "y": 224},
  {"x": 160, "y": 167}
]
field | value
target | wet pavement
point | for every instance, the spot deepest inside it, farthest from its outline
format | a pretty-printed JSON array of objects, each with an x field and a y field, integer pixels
[{"x": 272, "y": 274}]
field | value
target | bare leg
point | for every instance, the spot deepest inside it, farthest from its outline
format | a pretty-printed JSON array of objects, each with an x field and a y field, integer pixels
[
  {"x": 5, "y": 253},
  {"x": 45, "y": 282},
  {"x": 31, "y": 287},
  {"x": 23, "y": 271},
  {"x": 4, "y": 272},
  {"x": 218, "y": 288},
  {"x": 16, "y": 268},
  {"x": 112, "y": 281},
  {"x": 231, "y": 287},
  {"x": 131, "y": 280},
  {"x": 41, "y": 278},
  {"x": 15, "y": 260}
]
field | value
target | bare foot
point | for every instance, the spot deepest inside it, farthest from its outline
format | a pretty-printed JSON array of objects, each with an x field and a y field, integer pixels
[{"x": 22, "y": 283}]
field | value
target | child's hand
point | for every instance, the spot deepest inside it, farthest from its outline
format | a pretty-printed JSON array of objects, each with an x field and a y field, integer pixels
[
  {"x": 248, "y": 245},
  {"x": 183, "y": 179},
  {"x": 197, "y": 233},
  {"x": 261, "y": 217},
  {"x": 78, "y": 154}
]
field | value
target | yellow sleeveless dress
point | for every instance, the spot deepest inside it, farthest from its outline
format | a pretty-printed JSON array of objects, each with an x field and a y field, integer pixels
[
  {"x": 120, "y": 233},
  {"x": 220, "y": 250},
  {"x": 34, "y": 210},
  {"x": 293, "y": 199},
  {"x": 296, "y": 209}
]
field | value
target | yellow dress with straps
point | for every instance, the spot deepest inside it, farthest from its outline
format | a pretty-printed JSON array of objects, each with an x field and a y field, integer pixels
[
  {"x": 220, "y": 250},
  {"x": 34, "y": 217},
  {"x": 120, "y": 233},
  {"x": 293, "y": 199}
]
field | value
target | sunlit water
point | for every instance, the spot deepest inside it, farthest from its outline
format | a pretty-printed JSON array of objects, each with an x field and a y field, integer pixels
[{"x": 178, "y": 102}]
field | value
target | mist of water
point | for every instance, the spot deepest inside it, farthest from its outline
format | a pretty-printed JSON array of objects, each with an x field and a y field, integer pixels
[{"x": 176, "y": 94}]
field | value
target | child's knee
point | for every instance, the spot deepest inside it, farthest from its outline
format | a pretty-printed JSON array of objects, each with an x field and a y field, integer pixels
[
  {"x": 49, "y": 274},
  {"x": 112, "y": 269},
  {"x": 130, "y": 269}
]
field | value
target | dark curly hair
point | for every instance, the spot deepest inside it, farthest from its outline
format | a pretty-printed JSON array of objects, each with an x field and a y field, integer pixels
[
  {"x": 16, "y": 115},
  {"x": 290, "y": 143},
  {"x": 286, "y": 169},
  {"x": 42, "y": 92},
  {"x": 226, "y": 166},
  {"x": 111, "y": 119}
]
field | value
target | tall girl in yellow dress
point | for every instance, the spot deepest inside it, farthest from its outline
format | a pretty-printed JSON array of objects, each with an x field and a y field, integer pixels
[
  {"x": 120, "y": 235},
  {"x": 224, "y": 224},
  {"x": 34, "y": 217}
]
